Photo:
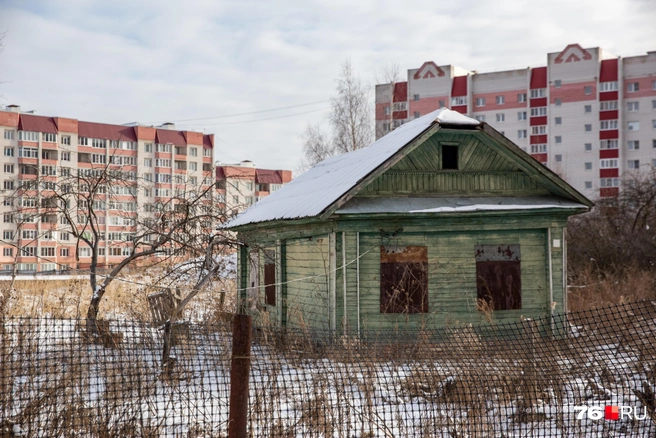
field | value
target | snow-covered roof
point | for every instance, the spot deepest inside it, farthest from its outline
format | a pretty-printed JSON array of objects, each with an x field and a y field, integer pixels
[
  {"x": 454, "y": 205},
  {"x": 317, "y": 189}
]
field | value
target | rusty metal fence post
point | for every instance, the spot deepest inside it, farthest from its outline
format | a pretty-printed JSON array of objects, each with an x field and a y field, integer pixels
[{"x": 239, "y": 373}]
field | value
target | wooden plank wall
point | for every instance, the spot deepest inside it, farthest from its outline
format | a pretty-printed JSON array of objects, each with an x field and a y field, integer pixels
[
  {"x": 482, "y": 171},
  {"x": 452, "y": 277},
  {"x": 308, "y": 300}
]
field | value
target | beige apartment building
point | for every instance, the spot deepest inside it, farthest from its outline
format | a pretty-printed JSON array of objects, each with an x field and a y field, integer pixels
[
  {"x": 39, "y": 151},
  {"x": 588, "y": 115}
]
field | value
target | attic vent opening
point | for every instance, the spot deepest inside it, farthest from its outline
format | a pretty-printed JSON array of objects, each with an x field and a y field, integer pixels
[{"x": 449, "y": 157}]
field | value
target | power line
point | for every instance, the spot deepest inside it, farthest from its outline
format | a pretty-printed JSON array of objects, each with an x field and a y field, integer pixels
[
  {"x": 249, "y": 113},
  {"x": 260, "y": 120}
]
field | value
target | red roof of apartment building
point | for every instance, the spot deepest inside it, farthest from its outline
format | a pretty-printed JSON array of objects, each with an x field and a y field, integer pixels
[
  {"x": 106, "y": 131},
  {"x": 30, "y": 122}
]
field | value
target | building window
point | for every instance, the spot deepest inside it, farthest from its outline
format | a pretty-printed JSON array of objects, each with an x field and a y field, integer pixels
[
  {"x": 588, "y": 185},
  {"x": 28, "y": 136},
  {"x": 537, "y": 93},
  {"x": 449, "y": 157},
  {"x": 653, "y": 143},
  {"x": 608, "y": 86},
  {"x": 557, "y": 83},
  {"x": 8, "y": 185},
  {"x": 49, "y": 137},
  {"x": 480, "y": 118},
  {"x": 608, "y": 164},
  {"x": 148, "y": 147},
  {"x": 28, "y": 251},
  {"x": 588, "y": 147},
  {"x": 270, "y": 278},
  {"x": 9, "y": 152},
  {"x": 521, "y": 133},
  {"x": 559, "y": 101},
  {"x": 558, "y": 120},
  {"x": 48, "y": 251},
  {"x": 633, "y": 145},
  {"x": 403, "y": 279},
  {"x": 653, "y": 85},
  {"x": 498, "y": 276},
  {"x": 633, "y": 87},
  {"x": 539, "y": 111},
  {"x": 480, "y": 101},
  {"x": 632, "y": 126},
  {"x": 588, "y": 127},
  {"x": 606, "y": 125},
  {"x": 587, "y": 90},
  {"x": 538, "y": 148},
  {"x": 442, "y": 104},
  {"x": 559, "y": 158},
  {"x": 587, "y": 109},
  {"x": 193, "y": 166},
  {"x": 521, "y": 97},
  {"x": 416, "y": 97},
  {"x": 559, "y": 139},
  {"x": 609, "y": 182},
  {"x": 9, "y": 168},
  {"x": 459, "y": 100},
  {"x": 633, "y": 106},
  {"x": 417, "y": 115},
  {"x": 10, "y": 134},
  {"x": 501, "y": 117},
  {"x": 387, "y": 110},
  {"x": 588, "y": 166},
  {"x": 521, "y": 115},
  {"x": 608, "y": 105},
  {"x": 633, "y": 164},
  {"x": 653, "y": 124},
  {"x": 538, "y": 130},
  {"x": 501, "y": 100}
]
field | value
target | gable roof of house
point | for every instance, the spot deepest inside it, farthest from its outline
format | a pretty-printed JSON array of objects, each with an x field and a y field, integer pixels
[{"x": 331, "y": 183}]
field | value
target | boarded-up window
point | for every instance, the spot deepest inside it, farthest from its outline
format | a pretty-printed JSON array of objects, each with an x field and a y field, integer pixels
[
  {"x": 498, "y": 276},
  {"x": 270, "y": 278},
  {"x": 403, "y": 279}
]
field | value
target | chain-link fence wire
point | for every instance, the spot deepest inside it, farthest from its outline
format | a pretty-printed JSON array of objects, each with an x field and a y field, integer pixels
[
  {"x": 62, "y": 378},
  {"x": 525, "y": 379}
]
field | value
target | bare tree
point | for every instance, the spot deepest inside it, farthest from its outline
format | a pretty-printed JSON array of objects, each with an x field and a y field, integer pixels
[
  {"x": 387, "y": 77},
  {"x": 167, "y": 228},
  {"x": 350, "y": 121},
  {"x": 316, "y": 146},
  {"x": 350, "y": 117},
  {"x": 619, "y": 233}
]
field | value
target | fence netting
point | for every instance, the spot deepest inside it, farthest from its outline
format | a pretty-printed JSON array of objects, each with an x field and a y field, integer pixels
[{"x": 588, "y": 374}]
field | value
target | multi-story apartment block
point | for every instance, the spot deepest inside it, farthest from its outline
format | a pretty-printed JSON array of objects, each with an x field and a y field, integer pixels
[
  {"x": 589, "y": 116},
  {"x": 38, "y": 153},
  {"x": 243, "y": 184}
]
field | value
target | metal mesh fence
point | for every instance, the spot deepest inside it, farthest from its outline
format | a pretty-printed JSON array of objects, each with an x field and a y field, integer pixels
[{"x": 589, "y": 373}]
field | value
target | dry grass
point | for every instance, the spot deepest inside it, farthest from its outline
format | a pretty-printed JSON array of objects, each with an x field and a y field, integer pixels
[
  {"x": 590, "y": 290},
  {"x": 123, "y": 299}
]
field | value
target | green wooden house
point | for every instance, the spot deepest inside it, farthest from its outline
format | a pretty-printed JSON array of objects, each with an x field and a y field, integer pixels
[{"x": 430, "y": 224}]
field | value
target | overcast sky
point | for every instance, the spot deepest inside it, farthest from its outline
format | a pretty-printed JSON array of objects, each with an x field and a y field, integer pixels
[{"x": 123, "y": 61}]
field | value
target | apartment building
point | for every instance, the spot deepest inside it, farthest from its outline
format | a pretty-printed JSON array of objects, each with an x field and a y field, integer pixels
[
  {"x": 39, "y": 152},
  {"x": 241, "y": 185},
  {"x": 588, "y": 115}
]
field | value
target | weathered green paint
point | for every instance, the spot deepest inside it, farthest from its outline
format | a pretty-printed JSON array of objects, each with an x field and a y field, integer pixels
[{"x": 317, "y": 258}]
